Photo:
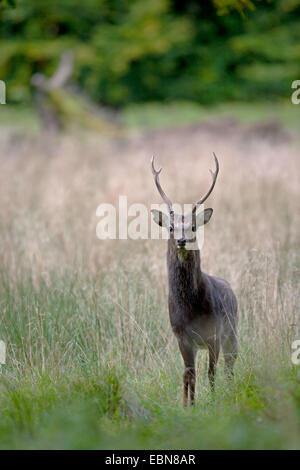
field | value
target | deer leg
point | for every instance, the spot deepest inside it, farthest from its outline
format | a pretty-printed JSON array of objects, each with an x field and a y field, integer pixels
[
  {"x": 189, "y": 381},
  {"x": 192, "y": 381},
  {"x": 189, "y": 376},
  {"x": 185, "y": 388},
  {"x": 213, "y": 351},
  {"x": 230, "y": 351}
]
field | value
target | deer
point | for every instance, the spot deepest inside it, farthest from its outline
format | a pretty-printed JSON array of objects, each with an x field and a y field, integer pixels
[{"x": 203, "y": 309}]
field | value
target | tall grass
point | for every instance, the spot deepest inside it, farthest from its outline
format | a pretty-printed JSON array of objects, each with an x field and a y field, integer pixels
[{"x": 91, "y": 359}]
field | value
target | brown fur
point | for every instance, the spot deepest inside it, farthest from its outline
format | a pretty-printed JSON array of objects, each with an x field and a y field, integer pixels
[
  {"x": 203, "y": 313},
  {"x": 202, "y": 308}
]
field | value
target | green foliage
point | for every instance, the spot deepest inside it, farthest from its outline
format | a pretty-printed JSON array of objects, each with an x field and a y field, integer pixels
[
  {"x": 151, "y": 50},
  {"x": 226, "y": 6},
  {"x": 7, "y": 3}
]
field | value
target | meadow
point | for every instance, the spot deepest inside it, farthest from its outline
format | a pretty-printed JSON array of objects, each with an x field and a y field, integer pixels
[{"x": 91, "y": 359}]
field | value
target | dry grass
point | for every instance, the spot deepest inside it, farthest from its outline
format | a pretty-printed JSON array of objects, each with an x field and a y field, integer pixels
[{"x": 72, "y": 302}]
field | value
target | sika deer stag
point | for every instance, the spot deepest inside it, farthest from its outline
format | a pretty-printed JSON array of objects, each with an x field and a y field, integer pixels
[{"x": 202, "y": 308}]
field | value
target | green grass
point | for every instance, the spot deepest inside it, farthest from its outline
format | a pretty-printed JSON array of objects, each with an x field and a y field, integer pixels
[
  {"x": 164, "y": 115},
  {"x": 74, "y": 378},
  {"x": 159, "y": 115},
  {"x": 91, "y": 358},
  {"x": 20, "y": 118}
]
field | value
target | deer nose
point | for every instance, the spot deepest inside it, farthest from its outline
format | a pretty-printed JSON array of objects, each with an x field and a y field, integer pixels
[{"x": 181, "y": 242}]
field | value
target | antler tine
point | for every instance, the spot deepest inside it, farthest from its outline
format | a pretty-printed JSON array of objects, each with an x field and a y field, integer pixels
[
  {"x": 160, "y": 190},
  {"x": 214, "y": 179}
]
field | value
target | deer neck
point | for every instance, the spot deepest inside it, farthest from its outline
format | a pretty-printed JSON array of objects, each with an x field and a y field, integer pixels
[{"x": 184, "y": 273}]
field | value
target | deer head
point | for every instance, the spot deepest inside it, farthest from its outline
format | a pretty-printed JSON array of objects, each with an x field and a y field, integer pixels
[{"x": 182, "y": 227}]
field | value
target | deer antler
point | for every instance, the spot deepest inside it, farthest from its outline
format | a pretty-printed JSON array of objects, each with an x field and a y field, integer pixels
[
  {"x": 160, "y": 190},
  {"x": 214, "y": 179}
]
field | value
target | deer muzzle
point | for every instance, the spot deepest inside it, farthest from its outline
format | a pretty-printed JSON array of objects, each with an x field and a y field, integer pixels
[{"x": 181, "y": 242}]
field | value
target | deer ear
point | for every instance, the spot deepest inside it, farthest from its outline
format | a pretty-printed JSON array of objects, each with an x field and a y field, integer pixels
[
  {"x": 160, "y": 218},
  {"x": 203, "y": 217}
]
